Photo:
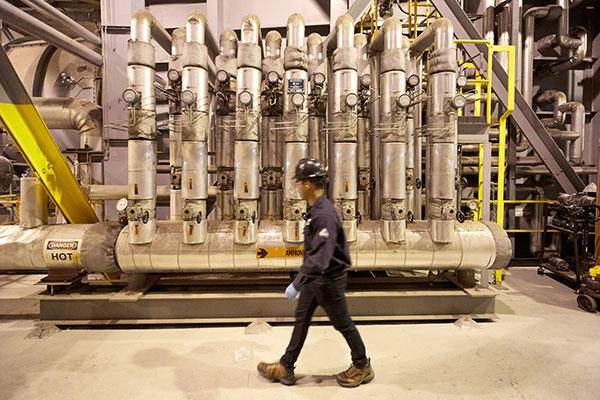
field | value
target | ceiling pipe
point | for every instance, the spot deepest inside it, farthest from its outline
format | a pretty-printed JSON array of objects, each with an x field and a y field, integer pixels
[
  {"x": 51, "y": 12},
  {"x": 18, "y": 18}
]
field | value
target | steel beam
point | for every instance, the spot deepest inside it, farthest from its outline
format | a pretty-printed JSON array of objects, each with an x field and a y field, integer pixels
[{"x": 523, "y": 116}]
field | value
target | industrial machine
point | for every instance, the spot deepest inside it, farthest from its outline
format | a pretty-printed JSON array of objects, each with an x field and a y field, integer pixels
[{"x": 205, "y": 133}]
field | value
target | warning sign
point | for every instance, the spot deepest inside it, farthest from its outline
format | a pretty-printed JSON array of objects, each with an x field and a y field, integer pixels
[
  {"x": 279, "y": 252},
  {"x": 62, "y": 252}
]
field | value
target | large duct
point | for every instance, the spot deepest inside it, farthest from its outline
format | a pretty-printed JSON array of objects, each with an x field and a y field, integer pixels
[
  {"x": 225, "y": 93},
  {"x": 295, "y": 120},
  {"x": 141, "y": 101},
  {"x": 441, "y": 127},
  {"x": 195, "y": 103},
  {"x": 246, "y": 187},
  {"x": 343, "y": 125},
  {"x": 474, "y": 245}
]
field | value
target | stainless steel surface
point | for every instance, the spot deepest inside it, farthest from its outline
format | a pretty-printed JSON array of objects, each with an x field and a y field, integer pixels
[
  {"x": 247, "y": 178},
  {"x": 33, "y": 210},
  {"x": 144, "y": 27},
  {"x": 344, "y": 158},
  {"x": 18, "y": 18},
  {"x": 473, "y": 246},
  {"x": 46, "y": 9}
]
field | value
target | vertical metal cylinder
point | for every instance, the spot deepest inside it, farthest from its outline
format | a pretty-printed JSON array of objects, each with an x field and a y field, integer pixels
[
  {"x": 343, "y": 127},
  {"x": 375, "y": 144},
  {"x": 33, "y": 209},
  {"x": 317, "y": 71},
  {"x": 246, "y": 185},
  {"x": 295, "y": 122},
  {"x": 195, "y": 106},
  {"x": 175, "y": 157}
]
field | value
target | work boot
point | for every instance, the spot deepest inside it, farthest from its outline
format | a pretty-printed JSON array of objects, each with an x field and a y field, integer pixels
[
  {"x": 353, "y": 377},
  {"x": 277, "y": 373}
]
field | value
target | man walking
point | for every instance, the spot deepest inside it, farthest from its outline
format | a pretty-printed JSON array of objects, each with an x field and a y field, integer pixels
[{"x": 321, "y": 281}]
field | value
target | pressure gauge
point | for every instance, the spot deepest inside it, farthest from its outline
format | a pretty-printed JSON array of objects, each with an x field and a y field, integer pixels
[
  {"x": 297, "y": 99},
  {"x": 173, "y": 75},
  {"x": 188, "y": 97},
  {"x": 461, "y": 81},
  {"x": 404, "y": 101},
  {"x": 130, "y": 96},
  {"x": 351, "y": 99},
  {"x": 222, "y": 76},
  {"x": 273, "y": 77},
  {"x": 318, "y": 78},
  {"x": 121, "y": 204},
  {"x": 365, "y": 80},
  {"x": 458, "y": 101},
  {"x": 413, "y": 80},
  {"x": 245, "y": 98}
]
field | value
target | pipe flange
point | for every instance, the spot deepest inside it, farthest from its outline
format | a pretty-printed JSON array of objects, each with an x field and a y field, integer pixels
[
  {"x": 271, "y": 179},
  {"x": 364, "y": 178}
]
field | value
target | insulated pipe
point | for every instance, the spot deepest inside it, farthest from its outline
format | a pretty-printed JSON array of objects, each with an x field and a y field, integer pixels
[
  {"x": 18, "y": 18},
  {"x": 528, "y": 44},
  {"x": 49, "y": 11},
  {"x": 145, "y": 27},
  {"x": 475, "y": 245},
  {"x": 441, "y": 127},
  {"x": 295, "y": 120},
  {"x": 33, "y": 210},
  {"x": 226, "y": 65},
  {"x": 317, "y": 73},
  {"x": 579, "y": 51},
  {"x": 246, "y": 188},
  {"x": 116, "y": 192},
  {"x": 84, "y": 116},
  {"x": 271, "y": 138},
  {"x": 418, "y": 141},
  {"x": 195, "y": 104},
  {"x": 175, "y": 123},
  {"x": 489, "y": 20},
  {"x": 78, "y": 246},
  {"x": 556, "y": 98},
  {"x": 577, "y": 111},
  {"x": 343, "y": 126},
  {"x": 392, "y": 129},
  {"x": 141, "y": 104},
  {"x": 363, "y": 137}
]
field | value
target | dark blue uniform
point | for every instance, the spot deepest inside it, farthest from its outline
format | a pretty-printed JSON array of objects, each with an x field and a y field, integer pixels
[
  {"x": 325, "y": 247},
  {"x": 322, "y": 281}
]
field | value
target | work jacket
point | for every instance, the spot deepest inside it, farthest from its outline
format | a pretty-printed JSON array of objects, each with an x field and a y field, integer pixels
[{"x": 325, "y": 248}]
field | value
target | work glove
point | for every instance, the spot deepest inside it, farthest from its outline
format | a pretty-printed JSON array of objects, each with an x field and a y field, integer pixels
[{"x": 291, "y": 292}]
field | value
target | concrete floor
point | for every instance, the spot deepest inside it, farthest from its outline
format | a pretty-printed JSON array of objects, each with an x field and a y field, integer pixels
[{"x": 541, "y": 347}]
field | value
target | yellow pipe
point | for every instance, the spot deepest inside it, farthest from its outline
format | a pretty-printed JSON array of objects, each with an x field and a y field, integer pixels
[{"x": 29, "y": 132}]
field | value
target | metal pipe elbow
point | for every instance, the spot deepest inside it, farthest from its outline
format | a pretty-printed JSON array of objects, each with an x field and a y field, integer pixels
[
  {"x": 195, "y": 27},
  {"x": 556, "y": 98},
  {"x": 144, "y": 27},
  {"x": 273, "y": 44},
  {"x": 440, "y": 34},
  {"x": 295, "y": 31},
  {"x": 250, "y": 30},
  {"x": 177, "y": 41},
  {"x": 228, "y": 43},
  {"x": 314, "y": 46},
  {"x": 344, "y": 28}
]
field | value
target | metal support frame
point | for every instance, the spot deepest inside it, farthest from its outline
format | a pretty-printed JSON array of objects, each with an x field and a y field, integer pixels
[{"x": 523, "y": 116}]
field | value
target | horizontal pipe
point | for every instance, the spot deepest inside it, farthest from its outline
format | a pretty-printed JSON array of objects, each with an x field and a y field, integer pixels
[
  {"x": 476, "y": 245},
  {"x": 78, "y": 246},
  {"x": 18, "y": 18},
  {"x": 49, "y": 11},
  {"x": 69, "y": 113},
  {"x": 116, "y": 192}
]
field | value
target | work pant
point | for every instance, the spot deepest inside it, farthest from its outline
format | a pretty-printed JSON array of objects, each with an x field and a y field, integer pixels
[{"x": 329, "y": 294}]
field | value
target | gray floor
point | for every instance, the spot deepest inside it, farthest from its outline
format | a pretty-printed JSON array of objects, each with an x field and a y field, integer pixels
[{"x": 541, "y": 347}]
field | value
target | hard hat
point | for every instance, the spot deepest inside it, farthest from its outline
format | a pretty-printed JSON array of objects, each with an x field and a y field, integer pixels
[{"x": 308, "y": 168}]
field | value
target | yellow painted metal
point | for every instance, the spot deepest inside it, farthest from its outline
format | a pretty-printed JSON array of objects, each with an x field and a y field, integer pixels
[
  {"x": 280, "y": 252},
  {"x": 29, "y": 132},
  {"x": 595, "y": 271}
]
